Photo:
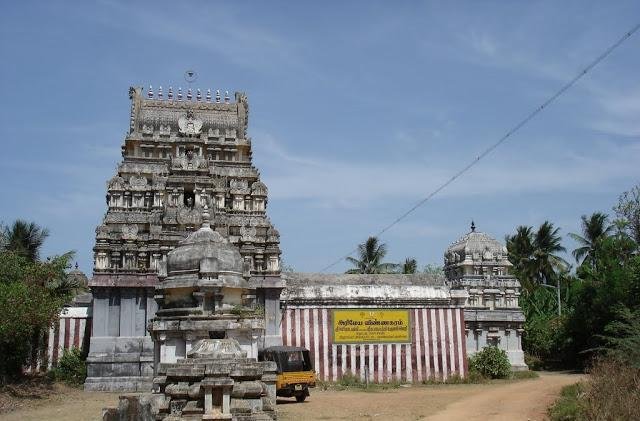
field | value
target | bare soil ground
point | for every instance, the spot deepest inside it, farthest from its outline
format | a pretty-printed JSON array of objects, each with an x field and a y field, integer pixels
[{"x": 507, "y": 400}]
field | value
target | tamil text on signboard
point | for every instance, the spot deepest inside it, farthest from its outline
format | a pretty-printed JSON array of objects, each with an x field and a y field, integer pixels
[{"x": 356, "y": 326}]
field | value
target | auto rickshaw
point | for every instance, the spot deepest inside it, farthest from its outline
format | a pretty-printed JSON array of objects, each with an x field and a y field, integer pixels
[{"x": 295, "y": 372}]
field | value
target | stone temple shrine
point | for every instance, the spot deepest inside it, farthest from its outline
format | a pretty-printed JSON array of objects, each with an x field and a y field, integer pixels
[{"x": 182, "y": 153}]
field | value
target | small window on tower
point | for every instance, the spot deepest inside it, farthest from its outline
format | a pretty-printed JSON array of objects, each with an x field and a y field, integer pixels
[{"x": 189, "y": 198}]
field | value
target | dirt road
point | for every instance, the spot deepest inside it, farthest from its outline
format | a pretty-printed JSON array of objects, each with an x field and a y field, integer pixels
[
  {"x": 518, "y": 400},
  {"x": 521, "y": 400}
]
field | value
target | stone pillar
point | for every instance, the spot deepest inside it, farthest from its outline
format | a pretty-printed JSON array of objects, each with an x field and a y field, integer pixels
[
  {"x": 127, "y": 312},
  {"x": 114, "y": 312},
  {"x": 272, "y": 317},
  {"x": 100, "y": 312}
]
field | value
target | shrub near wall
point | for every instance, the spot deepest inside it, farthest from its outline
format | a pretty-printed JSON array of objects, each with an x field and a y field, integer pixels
[
  {"x": 491, "y": 363},
  {"x": 72, "y": 368}
]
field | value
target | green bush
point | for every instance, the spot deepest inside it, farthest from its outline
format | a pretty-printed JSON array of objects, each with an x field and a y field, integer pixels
[
  {"x": 534, "y": 362},
  {"x": 491, "y": 362},
  {"x": 71, "y": 368},
  {"x": 24, "y": 289}
]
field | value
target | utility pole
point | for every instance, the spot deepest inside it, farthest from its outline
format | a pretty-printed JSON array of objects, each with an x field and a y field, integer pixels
[{"x": 557, "y": 288}]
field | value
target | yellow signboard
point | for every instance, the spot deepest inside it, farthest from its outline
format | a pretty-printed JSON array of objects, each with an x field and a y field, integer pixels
[{"x": 357, "y": 326}]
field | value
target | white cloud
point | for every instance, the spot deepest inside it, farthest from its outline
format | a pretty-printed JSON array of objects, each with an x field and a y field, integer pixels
[{"x": 335, "y": 183}]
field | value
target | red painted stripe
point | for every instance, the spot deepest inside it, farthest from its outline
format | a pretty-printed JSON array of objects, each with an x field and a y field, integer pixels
[
  {"x": 67, "y": 323},
  {"x": 76, "y": 337},
  {"x": 321, "y": 341},
  {"x": 56, "y": 343},
  {"x": 374, "y": 369}
]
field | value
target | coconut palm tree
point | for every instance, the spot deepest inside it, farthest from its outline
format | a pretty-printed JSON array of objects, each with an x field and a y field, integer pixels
[
  {"x": 370, "y": 255},
  {"x": 25, "y": 238},
  {"x": 535, "y": 254},
  {"x": 546, "y": 262},
  {"x": 409, "y": 266},
  {"x": 520, "y": 249},
  {"x": 594, "y": 229}
]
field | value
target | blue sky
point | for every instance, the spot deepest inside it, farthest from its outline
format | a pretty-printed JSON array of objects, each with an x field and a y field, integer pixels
[{"x": 358, "y": 110}]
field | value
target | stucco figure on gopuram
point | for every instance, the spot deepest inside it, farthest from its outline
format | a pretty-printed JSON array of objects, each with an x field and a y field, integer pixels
[
  {"x": 182, "y": 152},
  {"x": 479, "y": 264}
]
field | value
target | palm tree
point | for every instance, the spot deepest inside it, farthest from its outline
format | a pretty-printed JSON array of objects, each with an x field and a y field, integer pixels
[
  {"x": 25, "y": 238},
  {"x": 370, "y": 255},
  {"x": 409, "y": 266},
  {"x": 534, "y": 255},
  {"x": 594, "y": 229},
  {"x": 546, "y": 262},
  {"x": 520, "y": 249}
]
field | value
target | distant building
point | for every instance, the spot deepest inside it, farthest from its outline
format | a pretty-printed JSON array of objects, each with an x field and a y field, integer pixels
[{"x": 478, "y": 264}]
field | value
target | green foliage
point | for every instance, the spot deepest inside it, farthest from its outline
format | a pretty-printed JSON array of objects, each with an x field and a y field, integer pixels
[
  {"x": 569, "y": 406},
  {"x": 24, "y": 238},
  {"x": 370, "y": 256},
  {"x": 544, "y": 330},
  {"x": 491, "y": 363},
  {"x": 25, "y": 290},
  {"x": 535, "y": 255},
  {"x": 622, "y": 337},
  {"x": 594, "y": 229},
  {"x": 628, "y": 212},
  {"x": 534, "y": 362},
  {"x": 613, "y": 281},
  {"x": 71, "y": 368},
  {"x": 409, "y": 266}
]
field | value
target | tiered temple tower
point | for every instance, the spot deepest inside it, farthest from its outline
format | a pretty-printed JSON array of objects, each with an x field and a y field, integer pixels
[
  {"x": 181, "y": 153},
  {"x": 479, "y": 264}
]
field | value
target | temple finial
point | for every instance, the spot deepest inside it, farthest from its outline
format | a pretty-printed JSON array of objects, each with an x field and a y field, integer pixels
[
  {"x": 150, "y": 92},
  {"x": 170, "y": 93},
  {"x": 198, "y": 95},
  {"x": 226, "y": 97},
  {"x": 208, "y": 97},
  {"x": 205, "y": 217},
  {"x": 179, "y": 93},
  {"x": 473, "y": 226},
  {"x": 160, "y": 95}
]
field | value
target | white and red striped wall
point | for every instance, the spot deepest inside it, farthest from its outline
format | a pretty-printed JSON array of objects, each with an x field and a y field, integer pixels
[
  {"x": 71, "y": 330},
  {"x": 437, "y": 349}
]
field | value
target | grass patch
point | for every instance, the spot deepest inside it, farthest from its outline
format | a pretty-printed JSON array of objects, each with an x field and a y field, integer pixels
[
  {"x": 569, "y": 405},
  {"x": 523, "y": 375}
]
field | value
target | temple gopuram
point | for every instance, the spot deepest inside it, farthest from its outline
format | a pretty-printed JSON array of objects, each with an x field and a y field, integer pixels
[{"x": 182, "y": 153}]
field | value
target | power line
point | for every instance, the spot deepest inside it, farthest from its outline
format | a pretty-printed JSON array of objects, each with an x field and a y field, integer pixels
[{"x": 504, "y": 138}]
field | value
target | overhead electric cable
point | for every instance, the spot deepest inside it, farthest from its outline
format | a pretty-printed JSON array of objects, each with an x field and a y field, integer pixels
[{"x": 500, "y": 141}]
